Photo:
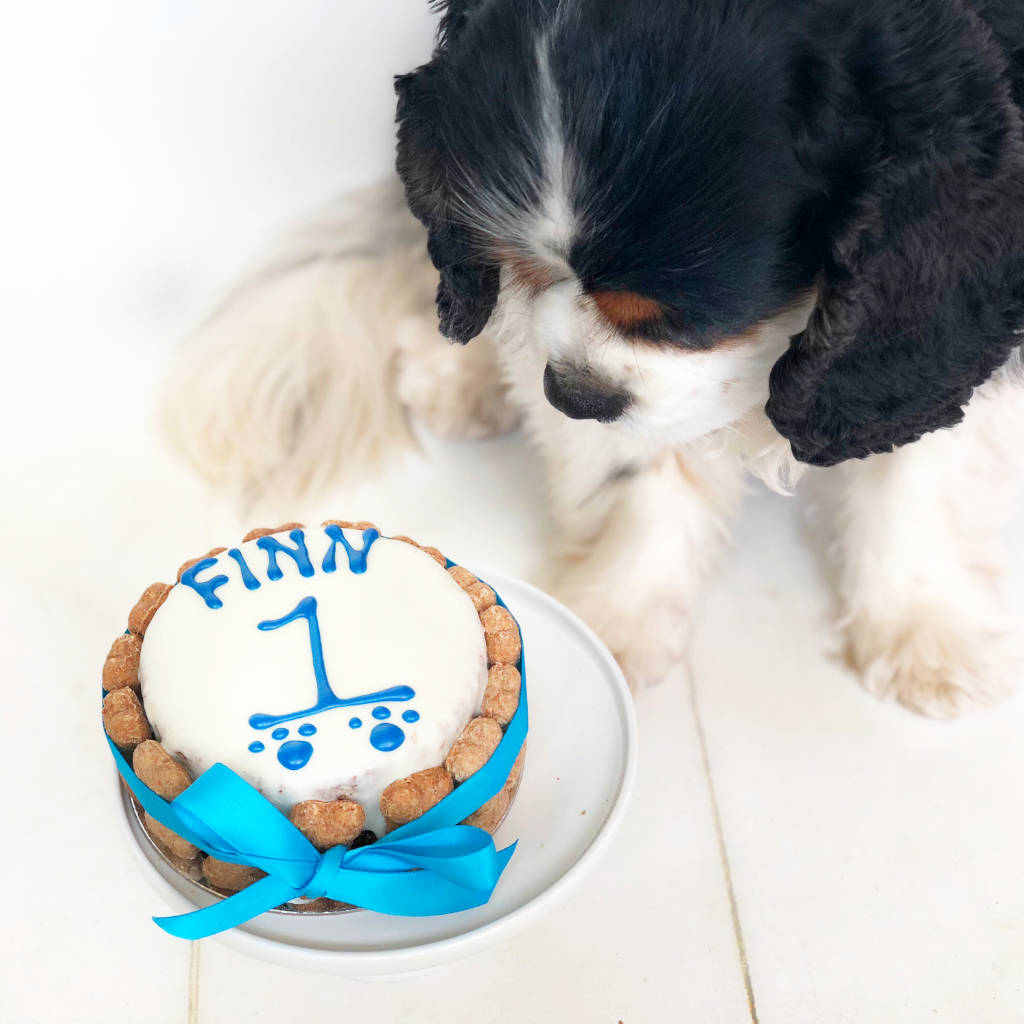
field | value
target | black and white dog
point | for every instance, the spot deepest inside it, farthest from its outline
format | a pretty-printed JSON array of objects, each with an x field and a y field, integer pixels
[{"x": 687, "y": 239}]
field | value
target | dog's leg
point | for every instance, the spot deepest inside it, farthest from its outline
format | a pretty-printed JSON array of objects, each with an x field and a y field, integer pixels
[
  {"x": 635, "y": 542},
  {"x": 920, "y": 538},
  {"x": 290, "y": 384},
  {"x": 456, "y": 390},
  {"x": 301, "y": 376}
]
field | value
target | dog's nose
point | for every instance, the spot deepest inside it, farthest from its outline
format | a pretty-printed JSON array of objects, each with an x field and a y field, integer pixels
[{"x": 581, "y": 395}]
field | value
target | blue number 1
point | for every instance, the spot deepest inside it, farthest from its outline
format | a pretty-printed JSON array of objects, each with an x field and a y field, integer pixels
[{"x": 326, "y": 698}]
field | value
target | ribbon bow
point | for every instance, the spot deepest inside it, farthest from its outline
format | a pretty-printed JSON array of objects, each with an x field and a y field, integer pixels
[{"x": 432, "y": 865}]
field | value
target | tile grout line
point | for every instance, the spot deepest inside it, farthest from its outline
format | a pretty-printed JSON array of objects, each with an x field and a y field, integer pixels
[
  {"x": 723, "y": 853},
  {"x": 193, "y": 982}
]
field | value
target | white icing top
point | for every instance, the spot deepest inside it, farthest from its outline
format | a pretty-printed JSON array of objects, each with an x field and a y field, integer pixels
[{"x": 403, "y": 624}]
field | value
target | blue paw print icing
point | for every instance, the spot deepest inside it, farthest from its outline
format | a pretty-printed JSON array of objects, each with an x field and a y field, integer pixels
[
  {"x": 293, "y": 754},
  {"x": 386, "y": 736},
  {"x": 296, "y": 754}
]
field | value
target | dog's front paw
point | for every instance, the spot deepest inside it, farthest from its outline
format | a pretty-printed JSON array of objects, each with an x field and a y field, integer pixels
[
  {"x": 935, "y": 661},
  {"x": 647, "y": 633},
  {"x": 456, "y": 390}
]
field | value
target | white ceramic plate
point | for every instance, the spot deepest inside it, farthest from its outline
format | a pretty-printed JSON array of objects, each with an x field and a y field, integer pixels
[{"x": 579, "y": 772}]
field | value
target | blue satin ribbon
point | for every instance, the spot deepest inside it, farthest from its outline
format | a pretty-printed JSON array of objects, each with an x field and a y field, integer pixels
[{"x": 432, "y": 865}]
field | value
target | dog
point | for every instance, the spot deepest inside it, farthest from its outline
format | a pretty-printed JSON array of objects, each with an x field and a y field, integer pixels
[{"x": 686, "y": 241}]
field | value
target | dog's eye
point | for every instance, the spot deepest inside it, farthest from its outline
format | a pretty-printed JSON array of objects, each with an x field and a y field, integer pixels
[{"x": 627, "y": 310}]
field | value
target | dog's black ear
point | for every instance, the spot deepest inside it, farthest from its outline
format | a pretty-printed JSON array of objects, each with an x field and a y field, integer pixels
[
  {"x": 468, "y": 287},
  {"x": 454, "y": 15},
  {"x": 922, "y": 290}
]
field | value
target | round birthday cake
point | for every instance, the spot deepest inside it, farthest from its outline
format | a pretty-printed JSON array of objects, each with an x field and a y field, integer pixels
[{"x": 352, "y": 679}]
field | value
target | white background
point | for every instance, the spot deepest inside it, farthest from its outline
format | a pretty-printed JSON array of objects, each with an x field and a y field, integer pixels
[{"x": 874, "y": 859}]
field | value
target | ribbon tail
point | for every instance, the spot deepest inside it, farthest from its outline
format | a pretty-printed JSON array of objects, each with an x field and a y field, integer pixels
[
  {"x": 255, "y": 899},
  {"x": 503, "y": 857},
  {"x": 415, "y": 893}
]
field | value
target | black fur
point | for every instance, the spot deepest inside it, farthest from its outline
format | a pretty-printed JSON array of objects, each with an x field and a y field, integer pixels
[
  {"x": 923, "y": 285},
  {"x": 468, "y": 286},
  {"x": 728, "y": 156}
]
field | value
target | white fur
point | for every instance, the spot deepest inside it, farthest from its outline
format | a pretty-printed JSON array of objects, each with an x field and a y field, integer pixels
[
  {"x": 921, "y": 539},
  {"x": 306, "y": 369},
  {"x": 289, "y": 384},
  {"x": 457, "y": 391}
]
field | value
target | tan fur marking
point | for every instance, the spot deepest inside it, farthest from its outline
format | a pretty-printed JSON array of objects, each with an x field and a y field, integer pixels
[{"x": 626, "y": 309}]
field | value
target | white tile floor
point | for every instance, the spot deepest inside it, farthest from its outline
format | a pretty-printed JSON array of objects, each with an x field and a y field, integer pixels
[
  {"x": 875, "y": 855},
  {"x": 795, "y": 849}
]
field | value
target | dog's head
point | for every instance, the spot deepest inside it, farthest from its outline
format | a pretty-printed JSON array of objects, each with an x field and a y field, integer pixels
[{"x": 676, "y": 196}]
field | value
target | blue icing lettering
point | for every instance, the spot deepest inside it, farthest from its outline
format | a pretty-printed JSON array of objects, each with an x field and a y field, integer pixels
[
  {"x": 206, "y": 589},
  {"x": 356, "y": 557},
  {"x": 307, "y": 730},
  {"x": 250, "y": 581},
  {"x": 299, "y": 555},
  {"x": 256, "y": 747},
  {"x": 274, "y": 549},
  {"x": 295, "y": 754},
  {"x": 410, "y": 716},
  {"x": 355, "y": 723},
  {"x": 386, "y": 736},
  {"x": 381, "y": 713},
  {"x": 279, "y": 734}
]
